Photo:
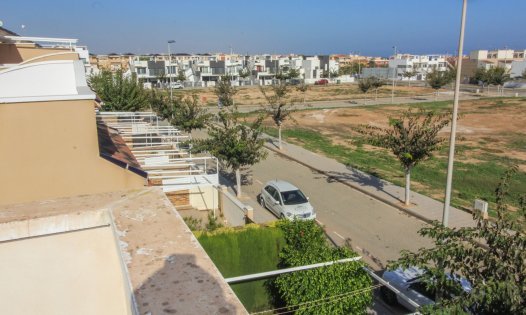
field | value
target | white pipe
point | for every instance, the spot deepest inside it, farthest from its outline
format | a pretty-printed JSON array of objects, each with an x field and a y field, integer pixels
[{"x": 269, "y": 274}]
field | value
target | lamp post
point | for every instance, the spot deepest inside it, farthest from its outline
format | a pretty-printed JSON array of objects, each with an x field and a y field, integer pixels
[
  {"x": 394, "y": 74},
  {"x": 171, "y": 41},
  {"x": 451, "y": 157}
]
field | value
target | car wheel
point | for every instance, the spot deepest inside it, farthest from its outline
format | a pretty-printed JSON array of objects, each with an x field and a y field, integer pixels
[
  {"x": 388, "y": 296},
  {"x": 262, "y": 202}
]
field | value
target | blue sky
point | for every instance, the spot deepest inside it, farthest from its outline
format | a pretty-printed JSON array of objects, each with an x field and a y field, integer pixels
[{"x": 371, "y": 27}]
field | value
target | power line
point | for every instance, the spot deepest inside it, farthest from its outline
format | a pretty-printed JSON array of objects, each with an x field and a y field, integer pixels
[{"x": 329, "y": 299}]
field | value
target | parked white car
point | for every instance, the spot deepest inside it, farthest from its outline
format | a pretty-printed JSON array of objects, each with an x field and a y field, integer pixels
[
  {"x": 408, "y": 281},
  {"x": 286, "y": 201},
  {"x": 176, "y": 85}
]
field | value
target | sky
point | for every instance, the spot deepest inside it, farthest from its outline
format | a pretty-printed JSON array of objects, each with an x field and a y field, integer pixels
[{"x": 368, "y": 27}]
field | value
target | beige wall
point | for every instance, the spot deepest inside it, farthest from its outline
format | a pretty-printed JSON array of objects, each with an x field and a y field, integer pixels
[
  {"x": 68, "y": 273},
  {"x": 12, "y": 53},
  {"x": 50, "y": 150},
  {"x": 204, "y": 198}
]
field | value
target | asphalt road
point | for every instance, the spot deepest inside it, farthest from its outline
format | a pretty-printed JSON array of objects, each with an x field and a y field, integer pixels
[{"x": 376, "y": 231}]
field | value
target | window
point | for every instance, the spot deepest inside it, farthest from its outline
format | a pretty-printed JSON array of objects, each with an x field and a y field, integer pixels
[
  {"x": 141, "y": 70},
  {"x": 271, "y": 191},
  {"x": 293, "y": 197},
  {"x": 422, "y": 289}
]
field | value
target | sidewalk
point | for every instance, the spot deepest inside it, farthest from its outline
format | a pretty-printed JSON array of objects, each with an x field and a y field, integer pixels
[{"x": 422, "y": 207}]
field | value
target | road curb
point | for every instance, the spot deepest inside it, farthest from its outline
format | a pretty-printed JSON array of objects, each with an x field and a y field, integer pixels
[{"x": 360, "y": 189}]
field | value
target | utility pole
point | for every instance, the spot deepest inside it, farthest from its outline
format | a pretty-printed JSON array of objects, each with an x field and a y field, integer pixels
[
  {"x": 170, "y": 67},
  {"x": 451, "y": 157},
  {"x": 394, "y": 74}
]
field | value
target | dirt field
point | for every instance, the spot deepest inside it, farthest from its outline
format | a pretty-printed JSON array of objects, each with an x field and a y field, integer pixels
[
  {"x": 485, "y": 125},
  {"x": 252, "y": 95}
]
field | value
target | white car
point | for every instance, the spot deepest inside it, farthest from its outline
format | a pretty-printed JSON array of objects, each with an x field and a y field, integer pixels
[
  {"x": 176, "y": 85},
  {"x": 408, "y": 281},
  {"x": 286, "y": 201}
]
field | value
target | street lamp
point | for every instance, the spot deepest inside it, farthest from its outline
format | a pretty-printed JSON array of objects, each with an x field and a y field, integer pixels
[
  {"x": 171, "y": 41},
  {"x": 394, "y": 74},
  {"x": 451, "y": 157}
]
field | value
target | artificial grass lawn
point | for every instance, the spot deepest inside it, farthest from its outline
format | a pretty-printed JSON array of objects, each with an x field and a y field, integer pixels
[
  {"x": 246, "y": 251},
  {"x": 470, "y": 181}
]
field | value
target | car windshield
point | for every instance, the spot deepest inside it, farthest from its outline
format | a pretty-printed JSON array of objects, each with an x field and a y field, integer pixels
[{"x": 293, "y": 197}]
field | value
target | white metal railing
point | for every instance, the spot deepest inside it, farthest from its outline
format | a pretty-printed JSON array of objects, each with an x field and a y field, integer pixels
[{"x": 173, "y": 168}]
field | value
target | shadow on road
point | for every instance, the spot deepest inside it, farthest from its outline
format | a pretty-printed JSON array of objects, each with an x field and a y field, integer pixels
[{"x": 360, "y": 178}]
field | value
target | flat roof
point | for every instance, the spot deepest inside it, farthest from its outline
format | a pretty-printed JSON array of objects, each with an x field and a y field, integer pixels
[{"x": 168, "y": 269}]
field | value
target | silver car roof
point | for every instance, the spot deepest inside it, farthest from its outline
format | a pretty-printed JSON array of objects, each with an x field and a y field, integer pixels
[{"x": 282, "y": 185}]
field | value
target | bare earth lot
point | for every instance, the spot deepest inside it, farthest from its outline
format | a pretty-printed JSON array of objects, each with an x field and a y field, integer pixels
[{"x": 251, "y": 95}]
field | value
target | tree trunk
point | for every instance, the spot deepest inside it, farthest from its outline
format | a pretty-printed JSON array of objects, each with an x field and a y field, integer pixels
[
  {"x": 407, "y": 186},
  {"x": 279, "y": 136},
  {"x": 409, "y": 82},
  {"x": 376, "y": 95},
  {"x": 238, "y": 183},
  {"x": 436, "y": 95}
]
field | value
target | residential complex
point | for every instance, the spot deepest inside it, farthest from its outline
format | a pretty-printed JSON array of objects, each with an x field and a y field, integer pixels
[{"x": 512, "y": 60}]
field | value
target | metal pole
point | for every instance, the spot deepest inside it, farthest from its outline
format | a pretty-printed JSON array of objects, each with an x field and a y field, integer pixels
[
  {"x": 170, "y": 67},
  {"x": 392, "y": 89},
  {"x": 451, "y": 157}
]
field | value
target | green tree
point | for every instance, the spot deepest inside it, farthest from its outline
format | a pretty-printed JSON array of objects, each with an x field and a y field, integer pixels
[
  {"x": 325, "y": 74},
  {"x": 371, "y": 64},
  {"x": 281, "y": 76},
  {"x": 181, "y": 76},
  {"x": 482, "y": 75},
  {"x": 244, "y": 73},
  {"x": 496, "y": 270},
  {"x": 438, "y": 79},
  {"x": 499, "y": 76},
  {"x": 189, "y": 114},
  {"x": 293, "y": 73},
  {"x": 412, "y": 137},
  {"x": 235, "y": 143},
  {"x": 119, "y": 92},
  {"x": 409, "y": 74},
  {"x": 303, "y": 88},
  {"x": 343, "y": 288},
  {"x": 225, "y": 91},
  {"x": 184, "y": 112},
  {"x": 366, "y": 84},
  {"x": 278, "y": 106}
]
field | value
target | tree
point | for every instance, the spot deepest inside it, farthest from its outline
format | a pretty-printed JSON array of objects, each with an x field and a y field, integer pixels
[
  {"x": 482, "y": 76},
  {"x": 366, "y": 84},
  {"x": 183, "y": 112},
  {"x": 119, "y": 92},
  {"x": 234, "y": 143},
  {"x": 371, "y": 64},
  {"x": 412, "y": 137},
  {"x": 498, "y": 76},
  {"x": 293, "y": 73},
  {"x": 409, "y": 74},
  {"x": 277, "y": 105},
  {"x": 244, "y": 73},
  {"x": 225, "y": 91},
  {"x": 496, "y": 270},
  {"x": 376, "y": 83},
  {"x": 325, "y": 74},
  {"x": 281, "y": 76},
  {"x": 181, "y": 76},
  {"x": 343, "y": 288},
  {"x": 303, "y": 88},
  {"x": 334, "y": 74},
  {"x": 437, "y": 79}
]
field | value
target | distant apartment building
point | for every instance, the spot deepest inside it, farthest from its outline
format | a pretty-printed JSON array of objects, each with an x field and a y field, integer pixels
[
  {"x": 420, "y": 64},
  {"x": 507, "y": 58},
  {"x": 82, "y": 229}
]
